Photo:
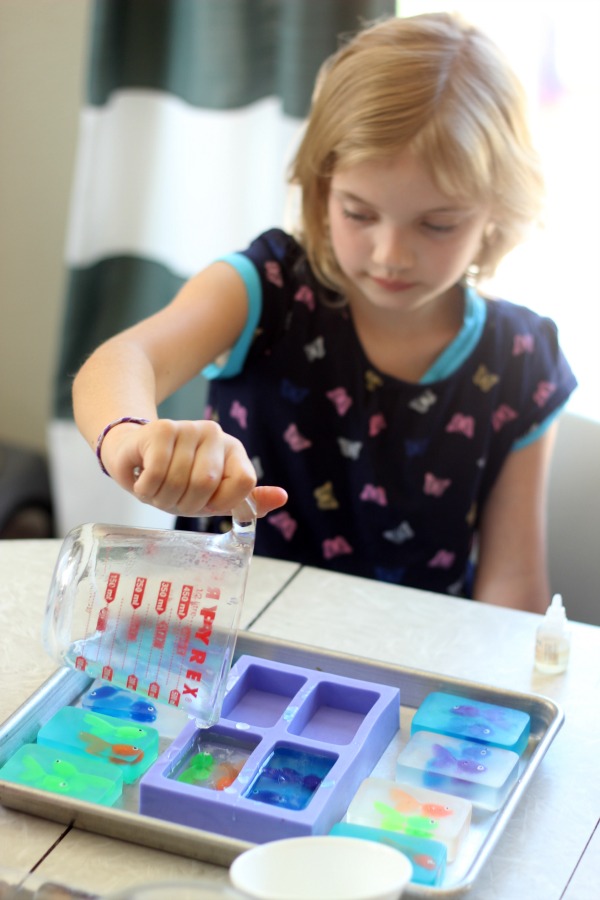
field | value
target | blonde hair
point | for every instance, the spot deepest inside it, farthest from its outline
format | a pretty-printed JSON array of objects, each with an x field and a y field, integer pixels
[{"x": 436, "y": 85}]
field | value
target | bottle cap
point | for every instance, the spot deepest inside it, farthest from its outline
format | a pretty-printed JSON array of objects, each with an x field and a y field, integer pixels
[{"x": 556, "y": 609}]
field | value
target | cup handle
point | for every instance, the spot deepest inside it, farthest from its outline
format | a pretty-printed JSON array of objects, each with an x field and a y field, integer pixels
[{"x": 244, "y": 518}]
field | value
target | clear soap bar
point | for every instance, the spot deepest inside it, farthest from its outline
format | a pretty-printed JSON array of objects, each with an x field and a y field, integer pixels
[
  {"x": 414, "y": 811},
  {"x": 132, "y": 747},
  {"x": 61, "y": 772},
  {"x": 428, "y": 858},
  {"x": 482, "y": 774},
  {"x": 499, "y": 726}
]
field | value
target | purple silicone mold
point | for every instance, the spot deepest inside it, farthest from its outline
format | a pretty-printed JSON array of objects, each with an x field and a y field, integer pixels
[{"x": 308, "y": 738}]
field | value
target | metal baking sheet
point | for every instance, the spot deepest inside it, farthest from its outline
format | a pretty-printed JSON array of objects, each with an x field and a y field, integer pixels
[{"x": 126, "y": 823}]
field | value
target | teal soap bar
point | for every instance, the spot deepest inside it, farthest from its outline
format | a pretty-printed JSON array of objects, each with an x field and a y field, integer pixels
[
  {"x": 482, "y": 774},
  {"x": 132, "y": 747},
  {"x": 488, "y": 723},
  {"x": 428, "y": 857},
  {"x": 61, "y": 772},
  {"x": 413, "y": 811}
]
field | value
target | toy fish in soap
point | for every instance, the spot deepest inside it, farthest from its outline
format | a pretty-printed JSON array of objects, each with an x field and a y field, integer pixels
[
  {"x": 491, "y": 716},
  {"x": 445, "y": 759},
  {"x": 120, "y": 754},
  {"x": 119, "y": 703},
  {"x": 199, "y": 768},
  {"x": 62, "y": 778},
  {"x": 288, "y": 776},
  {"x": 409, "y": 805},
  {"x": 413, "y": 825}
]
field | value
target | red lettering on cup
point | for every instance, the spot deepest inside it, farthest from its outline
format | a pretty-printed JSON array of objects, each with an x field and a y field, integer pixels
[
  {"x": 184, "y": 601},
  {"x": 102, "y": 619},
  {"x": 183, "y": 640},
  {"x": 133, "y": 628},
  {"x": 138, "y": 592},
  {"x": 111, "y": 587},
  {"x": 164, "y": 593},
  {"x": 160, "y": 635}
]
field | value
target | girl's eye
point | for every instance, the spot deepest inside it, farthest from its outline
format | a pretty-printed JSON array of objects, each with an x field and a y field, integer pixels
[
  {"x": 357, "y": 216},
  {"x": 437, "y": 228}
]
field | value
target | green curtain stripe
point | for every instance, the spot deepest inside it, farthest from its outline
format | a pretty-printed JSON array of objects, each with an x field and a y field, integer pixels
[
  {"x": 220, "y": 54},
  {"x": 101, "y": 300}
]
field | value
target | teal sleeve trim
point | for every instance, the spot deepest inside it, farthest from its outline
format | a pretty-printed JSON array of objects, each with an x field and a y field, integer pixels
[
  {"x": 465, "y": 341},
  {"x": 234, "y": 361},
  {"x": 538, "y": 431}
]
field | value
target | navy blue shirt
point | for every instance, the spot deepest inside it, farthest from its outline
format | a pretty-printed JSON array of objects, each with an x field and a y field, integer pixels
[{"x": 386, "y": 479}]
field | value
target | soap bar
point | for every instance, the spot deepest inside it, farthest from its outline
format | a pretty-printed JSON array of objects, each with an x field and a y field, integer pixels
[
  {"x": 117, "y": 702},
  {"x": 131, "y": 747},
  {"x": 499, "y": 726},
  {"x": 64, "y": 773},
  {"x": 414, "y": 811},
  {"x": 428, "y": 858},
  {"x": 479, "y": 773}
]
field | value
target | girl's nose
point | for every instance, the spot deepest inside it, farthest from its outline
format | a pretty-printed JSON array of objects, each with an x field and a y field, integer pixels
[{"x": 392, "y": 250}]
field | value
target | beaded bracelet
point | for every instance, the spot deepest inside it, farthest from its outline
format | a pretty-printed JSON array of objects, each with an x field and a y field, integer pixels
[{"x": 111, "y": 425}]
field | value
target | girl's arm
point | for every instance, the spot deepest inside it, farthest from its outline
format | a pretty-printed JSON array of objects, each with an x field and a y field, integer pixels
[
  {"x": 187, "y": 467},
  {"x": 512, "y": 566}
]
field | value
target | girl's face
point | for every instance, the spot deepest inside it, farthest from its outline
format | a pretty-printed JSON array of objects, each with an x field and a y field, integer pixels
[{"x": 400, "y": 242}]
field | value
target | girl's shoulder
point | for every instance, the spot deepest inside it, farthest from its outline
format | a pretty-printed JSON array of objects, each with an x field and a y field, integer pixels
[
  {"x": 278, "y": 245},
  {"x": 518, "y": 326},
  {"x": 282, "y": 263},
  {"x": 511, "y": 315}
]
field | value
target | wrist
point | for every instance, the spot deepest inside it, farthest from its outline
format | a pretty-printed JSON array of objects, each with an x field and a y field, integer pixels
[{"x": 124, "y": 420}]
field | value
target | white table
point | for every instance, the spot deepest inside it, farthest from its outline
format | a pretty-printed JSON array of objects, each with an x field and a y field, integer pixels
[{"x": 550, "y": 849}]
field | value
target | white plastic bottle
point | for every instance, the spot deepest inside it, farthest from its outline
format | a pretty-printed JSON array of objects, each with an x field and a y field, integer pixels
[{"x": 553, "y": 639}]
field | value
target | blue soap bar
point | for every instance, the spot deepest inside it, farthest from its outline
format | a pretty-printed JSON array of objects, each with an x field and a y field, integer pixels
[
  {"x": 498, "y": 726},
  {"x": 428, "y": 857},
  {"x": 130, "y": 747},
  {"x": 482, "y": 774},
  {"x": 117, "y": 702},
  {"x": 61, "y": 772}
]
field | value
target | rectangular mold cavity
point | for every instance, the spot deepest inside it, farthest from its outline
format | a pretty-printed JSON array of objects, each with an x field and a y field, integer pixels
[
  {"x": 214, "y": 760},
  {"x": 289, "y": 777},
  {"x": 332, "y": 713},
  {"x": 316, "y": 737},
  {"x": 257, "y": 698}
]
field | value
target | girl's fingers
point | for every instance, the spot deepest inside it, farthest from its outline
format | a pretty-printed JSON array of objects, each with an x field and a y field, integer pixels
[
  {"x": 192, "y": 469},
  {"x": 267, "y": 498}
]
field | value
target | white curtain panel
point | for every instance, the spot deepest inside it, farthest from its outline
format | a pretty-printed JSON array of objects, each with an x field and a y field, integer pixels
[{"x": 191, "y": 115}]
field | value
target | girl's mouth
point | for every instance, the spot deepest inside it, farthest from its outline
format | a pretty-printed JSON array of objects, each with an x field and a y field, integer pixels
[{"x": 393, "y": 285}]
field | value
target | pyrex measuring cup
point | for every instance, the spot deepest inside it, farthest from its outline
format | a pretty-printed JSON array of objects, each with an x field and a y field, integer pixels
[{"x": 152, "y": 610}]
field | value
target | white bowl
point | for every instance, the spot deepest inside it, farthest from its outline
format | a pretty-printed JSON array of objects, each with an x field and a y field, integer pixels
[
  {"x": 176, "y": 890},
  {"x": 321, "y": 868}
]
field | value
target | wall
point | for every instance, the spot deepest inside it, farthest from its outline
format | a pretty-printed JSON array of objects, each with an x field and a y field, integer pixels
[{"x": 43, "y": 46}]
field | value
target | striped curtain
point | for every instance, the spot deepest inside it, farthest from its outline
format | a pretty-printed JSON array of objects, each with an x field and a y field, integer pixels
[{"x": 191, "y": 113}]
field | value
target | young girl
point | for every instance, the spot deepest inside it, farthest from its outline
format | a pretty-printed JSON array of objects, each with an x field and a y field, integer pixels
[{"x": 354, "y": 366}]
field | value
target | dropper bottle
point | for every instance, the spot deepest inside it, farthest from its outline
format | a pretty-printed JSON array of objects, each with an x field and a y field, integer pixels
[{"x": 553, "y": 639}]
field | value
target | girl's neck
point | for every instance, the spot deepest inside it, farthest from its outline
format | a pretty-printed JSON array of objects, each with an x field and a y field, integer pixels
[{"x": 405, "y": 345}]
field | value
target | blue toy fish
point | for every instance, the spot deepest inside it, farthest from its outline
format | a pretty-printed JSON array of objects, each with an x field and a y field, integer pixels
[
  {"x": 446, "y": 759},
  {"x": 119, "y": 703}
]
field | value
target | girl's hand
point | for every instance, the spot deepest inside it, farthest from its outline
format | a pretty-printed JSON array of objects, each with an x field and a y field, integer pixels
[{"x": 187, "y": 468}]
